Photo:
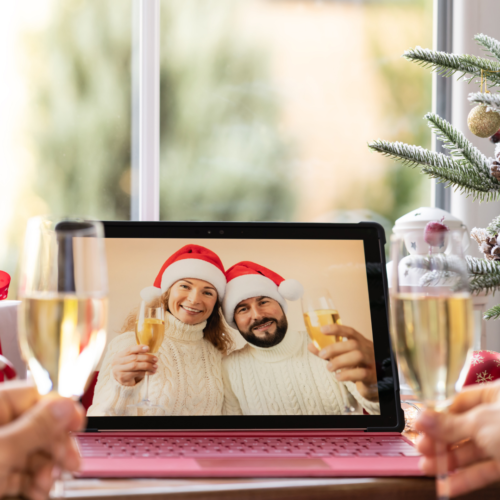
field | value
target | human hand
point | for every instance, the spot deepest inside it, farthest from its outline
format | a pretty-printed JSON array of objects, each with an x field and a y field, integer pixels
[
  {"x": 471, "y": 431},
  {"x": 34, "y": 439},
  {"x": 130, "y": 366},
  {"x": 352, "y": 360}
]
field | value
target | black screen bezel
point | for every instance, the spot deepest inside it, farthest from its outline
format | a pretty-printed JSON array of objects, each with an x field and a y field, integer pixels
[{"x": 372, "y": 235}]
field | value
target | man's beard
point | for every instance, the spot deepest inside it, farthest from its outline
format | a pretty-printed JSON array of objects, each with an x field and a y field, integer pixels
[{"x": 270, "y": 339}]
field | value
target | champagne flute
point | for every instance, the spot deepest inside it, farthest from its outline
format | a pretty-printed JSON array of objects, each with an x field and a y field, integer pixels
[
  {"x": 149, "y": 331},
  {"x": 63, "y": 312},
  {"x": 319, "y": 310},
  {"x": 432, "y": 325}
]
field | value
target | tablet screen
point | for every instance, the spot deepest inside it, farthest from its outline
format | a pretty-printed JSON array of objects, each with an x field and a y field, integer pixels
[{"x": 238, "y": 327}]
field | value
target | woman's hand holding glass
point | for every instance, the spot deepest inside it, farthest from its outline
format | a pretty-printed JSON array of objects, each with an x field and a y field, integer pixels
[
  {"x": 130, "y": 366},
  {"x": 34, "y": 440},
  {"x": 471, "y": 431}
]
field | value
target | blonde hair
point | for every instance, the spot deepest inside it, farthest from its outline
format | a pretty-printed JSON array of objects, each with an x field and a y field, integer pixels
[{"x": 215, "y": 331}]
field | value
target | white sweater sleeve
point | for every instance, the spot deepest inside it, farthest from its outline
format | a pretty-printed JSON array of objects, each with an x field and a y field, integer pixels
[
  {"x": 370, "y": 406},
  {"x": 110, "y": 397},
  {"x": 231, "y": 405}
]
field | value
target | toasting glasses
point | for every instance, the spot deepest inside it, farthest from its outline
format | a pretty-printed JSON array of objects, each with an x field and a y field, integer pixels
[
  {"x": 432, "y": 325},
  {"x": 63, "y": 313}
]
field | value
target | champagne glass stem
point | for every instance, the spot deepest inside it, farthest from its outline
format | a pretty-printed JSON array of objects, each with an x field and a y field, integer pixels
[
  {"x": 146, "y": 398},
  {"x": 442, "y": 479}
]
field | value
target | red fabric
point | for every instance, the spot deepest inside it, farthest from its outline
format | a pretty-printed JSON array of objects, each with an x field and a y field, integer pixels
[
  {"x": 484, "y": 367},
  {"x": 88, "y": 397},
  {"x": 190, "y": 252},
  {"x": 4, "y": 285},
  {"x": 245, "y": 267}
]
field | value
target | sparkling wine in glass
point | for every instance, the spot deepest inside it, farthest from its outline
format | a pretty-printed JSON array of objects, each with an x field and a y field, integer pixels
[
  {"x": 319, "y": 310},
  {"x": 149, "y": 331},
  {"x": 63, "y": 312},
  {"x": 432, "y": 325}
]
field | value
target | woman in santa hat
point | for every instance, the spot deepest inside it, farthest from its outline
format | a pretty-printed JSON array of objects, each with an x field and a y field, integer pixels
[{"x": 186, "y": 371}]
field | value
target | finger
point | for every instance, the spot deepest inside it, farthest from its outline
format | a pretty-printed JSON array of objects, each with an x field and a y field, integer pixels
[
  {"x": 355, "y": 375},
  {"x": 312, "y": 348},
  {"x": 71, "y": 460},
  {"x": 341, "y": 331},
  {"x": 459, "y": 456},
  {"x": 148, "y": 358},
  {"x": 40, "y": 428},
  {"x": 474, "y": 477},
  {"x": 15, "y": 398},
  {"x": 446, "y": 427},
  {"x": 135, "y": 349},
  {"x": 338, "y": 348},
  {"x": 38, "y": 477},
  {"x": 352, "y": 359},
  {"x": 41, "y": 483},
  {"x": 474, "y": 396},
  {"x": 143, "y": 366}
]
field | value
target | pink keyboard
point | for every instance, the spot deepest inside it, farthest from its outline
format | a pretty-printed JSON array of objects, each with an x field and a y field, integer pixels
[{"x": 260, "y": 447}]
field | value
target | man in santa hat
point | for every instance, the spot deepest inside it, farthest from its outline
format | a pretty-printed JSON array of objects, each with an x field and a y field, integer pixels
[{"x": 278, "y": 372}]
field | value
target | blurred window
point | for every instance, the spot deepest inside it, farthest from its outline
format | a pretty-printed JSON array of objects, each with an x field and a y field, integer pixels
[{"x": 267, "y": 107}]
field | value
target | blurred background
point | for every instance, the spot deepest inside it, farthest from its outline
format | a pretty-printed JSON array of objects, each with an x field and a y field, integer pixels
[{"x": 266, "y": 110}]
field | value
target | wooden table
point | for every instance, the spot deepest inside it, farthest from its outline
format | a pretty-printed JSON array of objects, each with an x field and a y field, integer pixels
[{"x": 263, "y": 489}]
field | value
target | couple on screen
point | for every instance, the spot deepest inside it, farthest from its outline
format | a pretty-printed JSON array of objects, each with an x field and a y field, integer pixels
[{"x": 197, "y": 371}]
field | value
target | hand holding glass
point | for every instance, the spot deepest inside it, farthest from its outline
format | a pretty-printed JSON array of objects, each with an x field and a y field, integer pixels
[
  {"x": 63, "y": 312},
  {"x": 432, "y": 325}
]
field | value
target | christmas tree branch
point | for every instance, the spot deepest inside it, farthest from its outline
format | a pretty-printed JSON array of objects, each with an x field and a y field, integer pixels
[
  {"x": 461, "y": 149},
  {"x": 485, "y": 283},
  {"x": 494, "y": 226},
  {"x": 448, "y": 64},
  {"x": 493, "y": 313},
  {"x": 439, "y": 166},
  {"x": 481, "y": 267},
  {"x": 491, "y": 100},
  {"x": 490, "y": 44}
]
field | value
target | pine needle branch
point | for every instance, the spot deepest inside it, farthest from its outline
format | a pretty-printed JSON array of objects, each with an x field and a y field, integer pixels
[
  {"x": 448, "y": 64},
  {"x": 441, "y": 167},
  {"x": 482, "y": 267},
  {"x": 485, "y": 283},
  {"x": 461, "y": 149},
  {"x": 493, "y": 313},
  {"x": 490, "y": 44},
  {"x": 491, "y": 100},
  {"x": 494, "y": 226}
]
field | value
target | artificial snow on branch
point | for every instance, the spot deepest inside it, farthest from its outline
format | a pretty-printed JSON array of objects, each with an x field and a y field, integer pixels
[
  {"x": 448, "y": 64},
  {"x": 459, "y": 174},
  {"x": 491, "y": 100},
  {"x": 494, "y": 227},
  {"x": 490, "y": 44},
  {"x": 479, "y": 267},
  {"x": 461, "y": 149}
]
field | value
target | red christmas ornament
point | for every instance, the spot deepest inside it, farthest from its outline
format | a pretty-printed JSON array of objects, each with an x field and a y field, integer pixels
[
  {"x": 484, "y": 367},
  {"x": 434, "y": 233},
  {"x": 4, "y": 285}
]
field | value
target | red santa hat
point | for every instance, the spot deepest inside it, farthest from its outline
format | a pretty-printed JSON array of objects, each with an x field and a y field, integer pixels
[
  {"x": 247, "y": 279},
  {"x": 191, "y": 261}
]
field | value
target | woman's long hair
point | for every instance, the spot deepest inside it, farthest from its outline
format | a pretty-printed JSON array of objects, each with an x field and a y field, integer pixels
[{"x": 215, "y": 331}]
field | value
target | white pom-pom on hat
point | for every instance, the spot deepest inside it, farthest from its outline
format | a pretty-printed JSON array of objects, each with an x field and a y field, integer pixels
[
  {"x": 150, "y": 293},
  {"x": 291, "y": 289}
]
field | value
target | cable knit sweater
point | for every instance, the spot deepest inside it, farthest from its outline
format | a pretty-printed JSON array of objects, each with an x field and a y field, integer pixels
[
  {"x": 188, "y": 380},
  {"x": 286, "y": 380}
]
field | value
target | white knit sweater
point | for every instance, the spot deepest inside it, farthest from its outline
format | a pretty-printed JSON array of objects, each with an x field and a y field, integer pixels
[
  {"x": 188, "y": 380},
  {"x": 286, "y": 380}
]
